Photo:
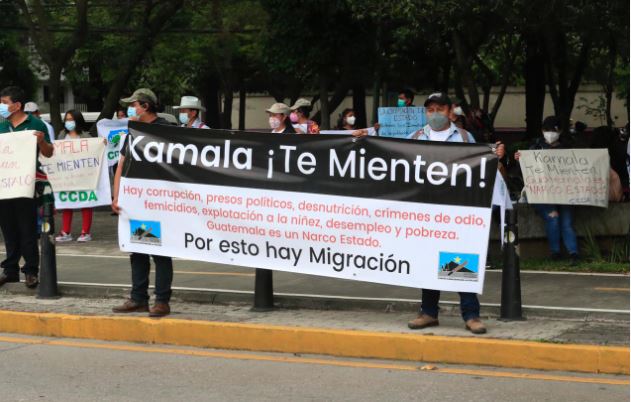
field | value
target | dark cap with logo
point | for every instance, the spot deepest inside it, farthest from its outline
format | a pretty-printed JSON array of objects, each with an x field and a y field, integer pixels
[{"x": 438, "y": 97}]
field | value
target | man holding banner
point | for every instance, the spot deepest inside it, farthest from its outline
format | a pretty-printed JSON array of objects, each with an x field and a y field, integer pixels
[
  {"x": 18, "y": 210},
  {"x": 142, "y": 106},
  {"x": 440, "y": 128}
]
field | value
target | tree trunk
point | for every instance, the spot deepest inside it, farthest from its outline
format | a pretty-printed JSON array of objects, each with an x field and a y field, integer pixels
[
  {"x": 375, "y": 98},
  {"x": 359, "y": 105},
  {"x": 55, "y": 97},
  {"x": 610, "y": 79},
  {"x": 242, "y": 95},
  {"x": 534, "y": 75},
  {"x": 210, "y": 94},
  {"x": 226, "y": 121},
  {"x": 325, "y": 115},
  {"x": 464, "y": 62},
  {"x": 341, "y": 90}
]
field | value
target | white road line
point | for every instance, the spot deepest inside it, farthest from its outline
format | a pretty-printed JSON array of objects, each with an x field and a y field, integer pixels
[
  {"x": 332, "y": 297},
  {"x": 496, "y": 271}
]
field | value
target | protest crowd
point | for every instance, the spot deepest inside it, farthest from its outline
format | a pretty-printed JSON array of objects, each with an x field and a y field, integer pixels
[{"x": 445, "y": 120}]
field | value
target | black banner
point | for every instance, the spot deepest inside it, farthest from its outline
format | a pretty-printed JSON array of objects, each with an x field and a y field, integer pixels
[{"x": 369, "y": 167}]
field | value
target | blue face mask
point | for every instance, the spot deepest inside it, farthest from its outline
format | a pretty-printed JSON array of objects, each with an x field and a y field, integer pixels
[
  {"x": 70, "y": 125},
  {"x": 437, "y": 121},
  {"x": 4, "y": 110},
  {"x": 131, "y": 111},
  {"x": 400, "y": 103},
  {"x": 183, "y": 118}
]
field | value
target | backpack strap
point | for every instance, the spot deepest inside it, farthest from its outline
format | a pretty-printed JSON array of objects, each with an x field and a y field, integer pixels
[
  {"x": 418, "y": 133},
  {"x": 463, "y": 134}
]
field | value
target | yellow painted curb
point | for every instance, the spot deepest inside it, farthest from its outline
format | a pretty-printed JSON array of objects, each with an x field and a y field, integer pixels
[{"x": 270, "y": 338}]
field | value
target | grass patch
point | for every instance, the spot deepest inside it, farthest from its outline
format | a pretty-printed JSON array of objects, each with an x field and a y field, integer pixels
[{"x": 586, "y": 265}]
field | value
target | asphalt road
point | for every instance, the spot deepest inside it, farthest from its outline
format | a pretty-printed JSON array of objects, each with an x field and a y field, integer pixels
[{"x": 44, "y": 369}]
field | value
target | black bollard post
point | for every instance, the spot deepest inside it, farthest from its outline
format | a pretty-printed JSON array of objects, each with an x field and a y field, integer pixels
[
  {"x": 510, "y": 309},
  {"x": 48, "y": 265},
  {"x": 263, "y": 290}
]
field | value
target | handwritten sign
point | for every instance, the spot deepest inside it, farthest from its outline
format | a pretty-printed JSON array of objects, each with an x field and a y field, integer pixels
[
  {"x": 18, "y": 151},
  {"x": 75, "y": 164},
  {"x": 566, "y": 176},
  {"x": 399, "y": 122}
]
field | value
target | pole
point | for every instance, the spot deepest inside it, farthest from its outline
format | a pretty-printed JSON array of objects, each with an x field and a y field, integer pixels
[
  {"x": 263, "y": 290},
  {"x": 48, "y": 268},
  {"x": 510, "y": 309}
]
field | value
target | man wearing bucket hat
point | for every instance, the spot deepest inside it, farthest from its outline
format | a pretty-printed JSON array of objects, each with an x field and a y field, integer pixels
[
  {"x": 142, "y": 106},
  {"x": 190, "y": 108},
  {"x": 278, "y": 119}
]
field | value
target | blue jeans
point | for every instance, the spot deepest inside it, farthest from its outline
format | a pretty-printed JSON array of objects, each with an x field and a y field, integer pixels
[
  {"x": 469, "y": 304},
  {"x": 559, "y": 221}
]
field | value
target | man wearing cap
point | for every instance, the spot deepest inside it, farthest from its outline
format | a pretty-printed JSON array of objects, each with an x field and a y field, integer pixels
[
  {"x": 278, "y": 119},
  {"x": 33, "y": 108},
  {"x": 299, "y": 117},
  {"x": 440, "y": 128},
  {"x": 190, "y": 107},
  {"x": 142, "y": 106}
]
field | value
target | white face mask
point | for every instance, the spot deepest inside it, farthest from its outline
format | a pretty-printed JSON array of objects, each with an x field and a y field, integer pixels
[
  {"x": 551, "y": 136},
  {"x": 274, "y": 123},
  {"x": 458, "y": 111},
  {"x": 350, "y": 120},
  {"x": 183, "y": 118}
]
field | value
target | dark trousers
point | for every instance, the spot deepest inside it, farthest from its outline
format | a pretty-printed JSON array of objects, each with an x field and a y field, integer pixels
[
  {"x": 140, "y": 268},
  {"x": 469, "y": 304},
  {"x": 18, "y": 222}
]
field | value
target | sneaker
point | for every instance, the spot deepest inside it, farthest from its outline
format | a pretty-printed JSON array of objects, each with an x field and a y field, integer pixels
[
  {"x": 574, "y": 259},
  {"x": 84, "y": 237},
  {"x": 423, "y": 321},
  {"x": 475, "y": 326},
  {"x": 63, "y": 237}
]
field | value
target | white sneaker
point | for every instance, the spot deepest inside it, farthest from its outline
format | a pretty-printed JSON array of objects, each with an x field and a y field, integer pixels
[
  {"x": 84, "y": 237},
  {"x": 63, "y": 237}
]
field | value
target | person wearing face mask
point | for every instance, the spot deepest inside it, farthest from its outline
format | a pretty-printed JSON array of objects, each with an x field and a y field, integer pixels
[
  {"x": 406, "y": 98},
  {"x": 190, "y": 109},
  {"x": 441, "y": 128},
  {"x": 299, "y": 117},
  {"x": 18, "y": 216},
  {"x": 142, "y": 106},
  {"x": 74, "y": 126},
  {"x": 346, "y": 120},
  {"x": 559, "y": 219},
  {"x": 279, "y": 119}
]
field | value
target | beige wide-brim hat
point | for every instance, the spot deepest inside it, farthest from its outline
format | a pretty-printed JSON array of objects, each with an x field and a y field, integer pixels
[
  {"x": 278, "y": 108},
  {"x": 300, "y": 103},
  {"x": 190, "y": 102}
]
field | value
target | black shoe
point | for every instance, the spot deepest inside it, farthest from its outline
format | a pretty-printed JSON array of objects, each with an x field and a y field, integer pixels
[
  {"x": 555, "y": 256},
  {"x": 31, "y": 281},
  {"x": 6, "y": 279},
  {"x": 574, "y": 260}
]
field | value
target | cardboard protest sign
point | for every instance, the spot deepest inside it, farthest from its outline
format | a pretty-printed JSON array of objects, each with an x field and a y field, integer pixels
[
  {"x": 75, "y": 164},
  {"x": 102, "y": 195},
  {"x": 378, "y": 210},
  {"x": 566, "y": 176},
  {"x": 18, "y": 157},
  {"x": 399, "y": 122},
  {"x": 114, "y": 131}
]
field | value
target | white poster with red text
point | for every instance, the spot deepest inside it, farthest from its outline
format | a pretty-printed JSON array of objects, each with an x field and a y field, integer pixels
[{"x": 379, "y": 210}]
